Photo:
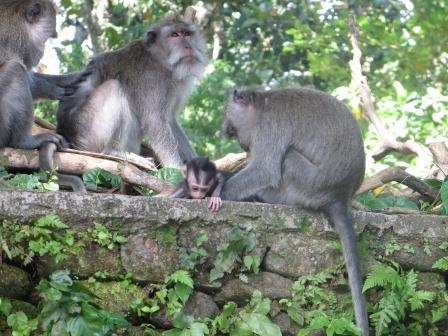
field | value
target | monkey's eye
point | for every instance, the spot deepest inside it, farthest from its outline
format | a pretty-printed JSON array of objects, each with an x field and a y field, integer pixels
[
  {"x": 187, "y": 33},
  {"x": 195, "y": 189},
  {"x": 174, "y": 34}
]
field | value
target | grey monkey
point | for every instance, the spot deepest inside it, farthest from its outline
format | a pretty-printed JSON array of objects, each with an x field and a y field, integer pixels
[
  {"x": 305, "y": 149},
  {"x": 134, "y": 94},
  {"x": 25, "y": 26}
]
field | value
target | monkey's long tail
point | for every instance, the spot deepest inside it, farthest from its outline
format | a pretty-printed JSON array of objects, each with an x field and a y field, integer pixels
[
  {"x": 340, "y": 216},
  {"x": 46, "y": 153}
]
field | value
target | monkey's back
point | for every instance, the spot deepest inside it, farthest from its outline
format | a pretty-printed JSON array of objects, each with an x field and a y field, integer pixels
[{"x": 325, "y": 159}]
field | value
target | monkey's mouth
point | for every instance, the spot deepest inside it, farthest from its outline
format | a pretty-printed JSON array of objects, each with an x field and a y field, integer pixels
[{"x": 188, "y": 59}]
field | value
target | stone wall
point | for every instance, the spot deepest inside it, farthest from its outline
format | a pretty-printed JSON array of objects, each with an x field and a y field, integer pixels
[{"x": 289, "y": 241}]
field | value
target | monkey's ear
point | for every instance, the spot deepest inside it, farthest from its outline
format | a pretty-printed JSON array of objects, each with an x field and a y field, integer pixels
[
  {"x": 33, "y": 12},
  {"x": 150, "y": 38},
  {"x": 243, "y": 97}
]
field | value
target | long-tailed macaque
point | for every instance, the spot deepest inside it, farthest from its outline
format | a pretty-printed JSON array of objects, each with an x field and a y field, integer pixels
[
  {"x": 25, "y": 26},
  {"x": 305, "y": 149},
  {"x": 201, "y": 180},
  {"x": 134, "y": 94}
]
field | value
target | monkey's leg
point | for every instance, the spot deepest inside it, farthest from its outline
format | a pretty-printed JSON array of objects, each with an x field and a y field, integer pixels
[
  {"x": 164, "y": 145},
  {"x": 262, "y": 172},
  {"x": 184, "y": 148},
  {"x": 341, "y": 218}
]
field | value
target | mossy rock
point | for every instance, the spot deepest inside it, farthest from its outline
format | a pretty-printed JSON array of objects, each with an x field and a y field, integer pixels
[
  {"x": 114, "y": 296},
  {"x": 15, "y": 283}
]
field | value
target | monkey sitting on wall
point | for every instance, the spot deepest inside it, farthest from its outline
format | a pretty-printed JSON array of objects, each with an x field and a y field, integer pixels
[
  {"x": 25, "y": 26},
  {"x": 305, "y": 149},
  {"x": 134, "y": 94},
  {"x": 201, "y": 180}
]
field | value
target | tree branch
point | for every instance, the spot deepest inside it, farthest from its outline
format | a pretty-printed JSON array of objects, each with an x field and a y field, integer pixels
[
  {"x": 400, "y": 176},
  {"x": 389, "y": 143},
  {"x": 74, "y": 162}
]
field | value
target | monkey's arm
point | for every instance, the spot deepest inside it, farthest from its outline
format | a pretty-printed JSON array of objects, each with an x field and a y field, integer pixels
[
  {"x": 215, "y": 198},
  {"x": 16, "y": 110},
  {"x": 263, "y": 171},
  {"x": 55, "y": 87}
]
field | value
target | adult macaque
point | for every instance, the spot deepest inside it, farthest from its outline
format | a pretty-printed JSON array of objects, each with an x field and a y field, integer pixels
[
  {"x": 201, "y": 180},
  {"x": 306, "y": 150},
  {"x": 25, "y": 26},
  {"x": 134, "y": 94}
]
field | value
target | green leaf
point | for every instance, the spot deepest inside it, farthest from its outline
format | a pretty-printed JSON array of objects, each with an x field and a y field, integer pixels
[
  {"x": 441, "y": 264},
  {"x": 100, "y": 177},
  {"x": 5, "y": 306},
  {"x": 182, "y": 291},
  {"x": 181, "y": 276},
  {"x": 77, "y": 326},
  {"x": 444, "y": 196},
  {"x": 261, "y": 325},
  {"x": 172, "y": 175}
]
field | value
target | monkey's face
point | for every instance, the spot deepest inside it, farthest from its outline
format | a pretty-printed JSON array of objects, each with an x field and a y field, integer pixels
[
  {"x": 40, "y": 23},
  {"x": 240, "y": 118},
  {"x": 199, "y": 184},
  {"x": 183, "y": 48}
]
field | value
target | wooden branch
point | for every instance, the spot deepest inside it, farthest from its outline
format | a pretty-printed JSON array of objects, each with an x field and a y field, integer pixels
[
  {"x": 44, "y": 124},
  {"x": 400, "y": 176},
  {"x": 231, "y": 161},
  {"x": 439, "y": 151},
  {"x": 389, "y": 143},
  {"x": 77, "y": 164}
]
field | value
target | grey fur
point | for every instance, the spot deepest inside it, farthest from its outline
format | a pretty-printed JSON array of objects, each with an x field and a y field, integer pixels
[
  {"x": 134, "y": 94},
  {"x": 22, "y": 41},
  {"x": 25, "y": 26},
  {"x": 305, "y": 149}
]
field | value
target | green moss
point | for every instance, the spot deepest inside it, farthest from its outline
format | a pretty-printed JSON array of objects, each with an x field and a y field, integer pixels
[
  {"x": 304, "y": 225},
  {"x": 114, "y": 296}
]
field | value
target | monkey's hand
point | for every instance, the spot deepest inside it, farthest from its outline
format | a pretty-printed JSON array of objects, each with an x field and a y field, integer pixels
[
  {"x": 70, "y": 87},
  {"x": 215, "y": 203},
  {"x": 55, "y": 138}
]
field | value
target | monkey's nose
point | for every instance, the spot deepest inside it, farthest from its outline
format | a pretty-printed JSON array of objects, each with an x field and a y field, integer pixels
[{"x": 230, "y": 131}]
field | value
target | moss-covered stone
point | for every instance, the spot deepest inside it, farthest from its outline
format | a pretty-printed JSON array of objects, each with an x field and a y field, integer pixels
[
  {"x": 147, "y": 259},
  {"x": 294, "y": 255},
  {"x": 91, "y": 259},
  {"x": 15, "y": 283},
  {"x": 271, "y": 285},
  {"x": 114, "y": 296}
]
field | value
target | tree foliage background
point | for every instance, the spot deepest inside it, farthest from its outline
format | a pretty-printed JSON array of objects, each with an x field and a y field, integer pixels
[{"x": 282, "y": 43}]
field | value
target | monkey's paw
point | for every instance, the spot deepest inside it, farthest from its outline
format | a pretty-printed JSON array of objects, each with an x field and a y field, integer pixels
[
  {"x": 215, "y": 204},
  {"x": 55, "y": 138}
]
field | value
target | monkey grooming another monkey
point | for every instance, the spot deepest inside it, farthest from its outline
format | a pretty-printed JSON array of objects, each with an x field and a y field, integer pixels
[
  {"x": 305, "y": 149},
  {"x": 25, "y": 26},
  {"x": 201, "y": 180},
  {"x": 134, "y": 93}
]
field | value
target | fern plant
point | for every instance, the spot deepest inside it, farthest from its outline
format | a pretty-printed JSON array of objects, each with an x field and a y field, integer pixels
[
  {"x": 314, "y": 306},
  {"x": 399, "y": 299},
  {"x": 442, "y": 263},
  {"x": 46, "y": 236}
]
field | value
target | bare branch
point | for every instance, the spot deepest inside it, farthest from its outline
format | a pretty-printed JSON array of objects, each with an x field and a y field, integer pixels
[
  {"x": 389, "y": 142},
  {"x": 77, "y": 164},
  {"x": 398, "y": 175}
]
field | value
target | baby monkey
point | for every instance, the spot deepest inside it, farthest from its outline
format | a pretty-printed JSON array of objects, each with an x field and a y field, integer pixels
[{"x": 201, "y": 179}]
